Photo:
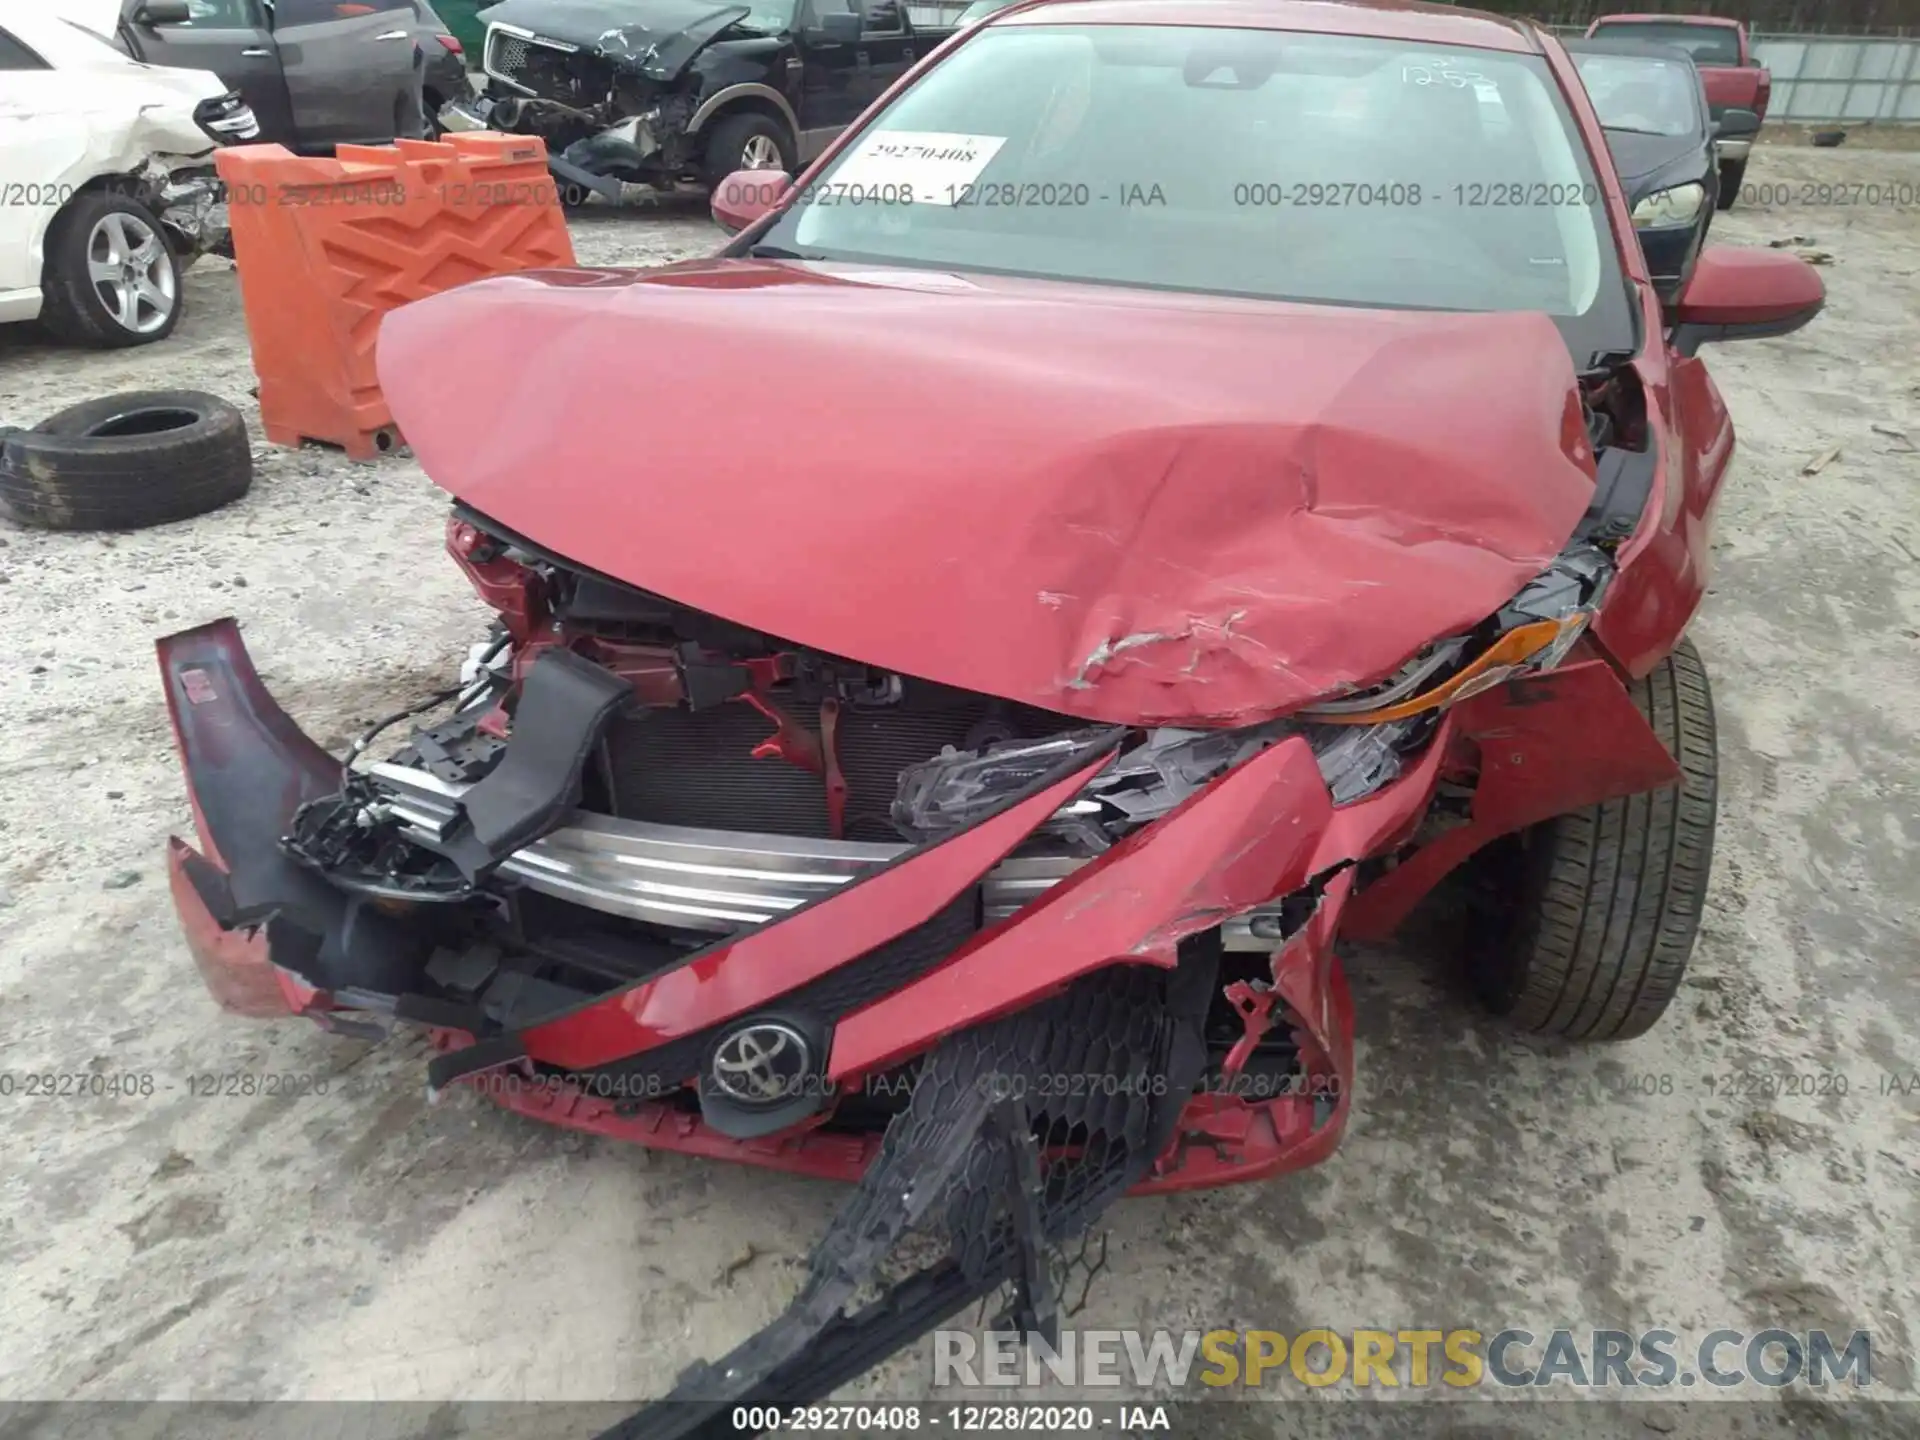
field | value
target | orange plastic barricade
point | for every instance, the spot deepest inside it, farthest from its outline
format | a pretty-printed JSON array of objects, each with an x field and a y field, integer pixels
[{"x": 325, "y": 248}]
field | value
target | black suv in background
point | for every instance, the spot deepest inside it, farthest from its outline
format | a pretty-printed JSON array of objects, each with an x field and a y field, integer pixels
[
  {"x": 318, "y": 73},
  {"x": 637, "y": 96}
]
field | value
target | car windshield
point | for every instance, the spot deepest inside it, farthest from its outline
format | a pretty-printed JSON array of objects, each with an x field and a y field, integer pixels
[
  {"x": 1644, "y": 94},
  {"x": 1277, "y": 165},
  {"x": 1708, "y": 44},
  {"x": 770, "y": 17}
]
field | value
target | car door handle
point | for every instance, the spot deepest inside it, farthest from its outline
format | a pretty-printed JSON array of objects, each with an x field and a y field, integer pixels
[
  {"x": 255, "y": 54},
  {"x": 394, "y": 35}
]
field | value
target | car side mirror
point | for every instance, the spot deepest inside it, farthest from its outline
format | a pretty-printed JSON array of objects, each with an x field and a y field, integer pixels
[
  {"x": 1737, "y": 293},
  {"x": 836, "y": 27},
  {"x": 162, "y": 12},
  {"x": 1736, "y": 125},
  {"x": 746, "y": 196}
]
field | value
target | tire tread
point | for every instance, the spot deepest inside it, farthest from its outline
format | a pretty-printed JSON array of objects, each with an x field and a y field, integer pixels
[
  {"x": 56, "y": 478},
  {"x": 1611, "y": 896}
]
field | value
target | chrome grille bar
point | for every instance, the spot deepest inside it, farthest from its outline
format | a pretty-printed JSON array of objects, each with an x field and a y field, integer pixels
[{"x": 711, "y": 880}]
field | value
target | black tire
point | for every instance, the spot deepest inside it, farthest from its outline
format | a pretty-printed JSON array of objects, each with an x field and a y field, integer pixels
[
  {"x": 727, "y": 143},
  {"x": 1732, "y": 173},
  {"x": 72, "y": 310},
  {"x": 126, "y": 461},
  {"x": 1602, "y": 906}
]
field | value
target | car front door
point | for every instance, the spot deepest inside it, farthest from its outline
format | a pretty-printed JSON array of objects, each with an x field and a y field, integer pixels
[
  {"x": 886, "y": 50},
  {"x": 353, "y": 69},
  {"x": 230, "y": 38},
  {"x": 829, "y": 77}
]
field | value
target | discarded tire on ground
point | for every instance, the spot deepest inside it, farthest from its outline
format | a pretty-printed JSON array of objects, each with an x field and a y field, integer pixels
[
  {"x": 126, "y": 461},
  {"x": 1604, "y": 903}
]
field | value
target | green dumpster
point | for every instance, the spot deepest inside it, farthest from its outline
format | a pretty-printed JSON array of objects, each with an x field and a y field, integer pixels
[{"x": 460, "y": 18}]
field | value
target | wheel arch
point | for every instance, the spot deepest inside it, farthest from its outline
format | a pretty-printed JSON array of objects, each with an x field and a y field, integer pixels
[
  {"x": 748, "y": 98},
  {"x": 1543, "y": 745}
]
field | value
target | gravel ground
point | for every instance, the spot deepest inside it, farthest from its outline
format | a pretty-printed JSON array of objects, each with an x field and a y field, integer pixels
[{"x": 366, "y": 1245}]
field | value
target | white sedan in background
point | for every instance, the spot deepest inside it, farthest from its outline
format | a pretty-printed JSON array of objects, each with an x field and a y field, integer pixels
[{"x": 107, "y": 187}]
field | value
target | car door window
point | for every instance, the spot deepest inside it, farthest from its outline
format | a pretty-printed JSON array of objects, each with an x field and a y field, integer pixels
[
  {"x": 222, "y": 15},
  {"x": 317, "y": 12},
  {"x": 882, "y": 17},
  {"x": 15, "y": 56}
]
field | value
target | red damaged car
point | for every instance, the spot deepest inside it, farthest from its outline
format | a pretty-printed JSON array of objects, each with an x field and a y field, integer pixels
[{"x": 1213, "y": 469}]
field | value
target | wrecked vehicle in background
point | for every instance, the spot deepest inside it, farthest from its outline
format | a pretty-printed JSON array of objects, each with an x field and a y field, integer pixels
[
  {"x": 966, "y": 798},
  {"x": 637, "y": 96},
  {"x": 106, "y": 172}
]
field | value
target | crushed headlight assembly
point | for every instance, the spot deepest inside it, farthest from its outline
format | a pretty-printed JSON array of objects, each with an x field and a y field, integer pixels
[
  {"x": 1358, "y": 740},
  {"x": 1680, "y": 205},
  {"x": 1535, "y": 630},
  {"x": 959, "y": 789}
]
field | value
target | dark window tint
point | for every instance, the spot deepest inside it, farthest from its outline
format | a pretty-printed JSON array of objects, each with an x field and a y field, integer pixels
[
  {"x": 15, "y": 56},
  {"x": 221, "y": 15},
  {"x": 315, "y": 12},
  {"x": 1708, "y": 44}
]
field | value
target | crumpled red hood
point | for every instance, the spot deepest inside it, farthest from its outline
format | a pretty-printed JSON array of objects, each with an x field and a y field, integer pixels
[{"x": 1129, "y": 506}]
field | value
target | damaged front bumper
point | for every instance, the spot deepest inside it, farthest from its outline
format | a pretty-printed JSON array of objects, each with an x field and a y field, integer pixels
[
  {"x": 629, "y": 162},
  {"x": 849, "y": 933},
  {"x": 185, "y": 194},
  {"x": 1058, "y": 1048}
]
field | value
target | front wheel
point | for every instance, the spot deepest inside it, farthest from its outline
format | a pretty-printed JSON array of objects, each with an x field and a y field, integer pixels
[
  {"x": 110, "y": 279},
  {"x": 746, "y": 142},
  {"x": 1594, "y": 914},
  {"x": 1732, "y": 173}
]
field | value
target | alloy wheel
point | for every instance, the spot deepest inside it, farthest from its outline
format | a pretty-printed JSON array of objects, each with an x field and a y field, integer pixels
[
  {"x": 760, "y": 153},
  {"x": 132, "y": 273}
]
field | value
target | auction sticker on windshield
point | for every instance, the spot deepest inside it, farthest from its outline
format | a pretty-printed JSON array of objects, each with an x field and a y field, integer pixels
[{"x": 914, "y": 167}]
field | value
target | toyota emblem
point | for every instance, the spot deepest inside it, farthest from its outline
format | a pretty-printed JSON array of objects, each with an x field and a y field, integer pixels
[{"x": 762, "y": 1064}]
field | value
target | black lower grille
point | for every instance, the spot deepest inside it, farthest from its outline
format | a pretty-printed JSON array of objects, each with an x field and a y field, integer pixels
[{"x": 685, "y": 767}]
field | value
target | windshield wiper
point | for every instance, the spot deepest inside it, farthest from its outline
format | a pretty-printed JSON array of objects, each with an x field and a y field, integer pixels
[{"x": 777, "y": 252}]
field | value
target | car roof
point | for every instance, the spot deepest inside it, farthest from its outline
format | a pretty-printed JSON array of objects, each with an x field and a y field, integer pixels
[
  {"x": 1378, "y": 19},
  {"x": 1724, "y": 22}
]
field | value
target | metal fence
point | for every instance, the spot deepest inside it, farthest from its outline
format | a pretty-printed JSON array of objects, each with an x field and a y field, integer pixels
[
  {"x": 1817, "y": 77},
  {"x": 1854, "y": 78}
]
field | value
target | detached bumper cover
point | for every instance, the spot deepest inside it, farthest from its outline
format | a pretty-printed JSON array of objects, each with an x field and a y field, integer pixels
[{"x": 252, "y": 915}]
